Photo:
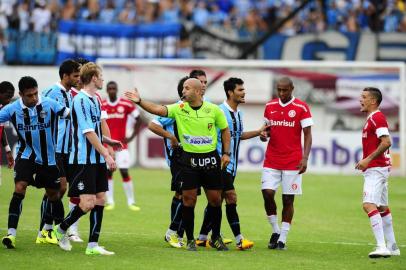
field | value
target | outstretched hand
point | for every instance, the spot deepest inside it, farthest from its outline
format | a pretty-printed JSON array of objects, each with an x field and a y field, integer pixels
[{"x": 133, "y": 95}]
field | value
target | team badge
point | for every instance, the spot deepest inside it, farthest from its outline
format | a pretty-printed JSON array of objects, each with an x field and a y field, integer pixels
[
  {"x": 181, "y": 105},
  {"x": 81, "y": 186},
  {"x": 292, "y": 113},
  {"x": 209, "y": 126},
  {"x": 120, "y": 109},
  {"x": 43, "y": 114},
  {"x": 294, "y": 186}
]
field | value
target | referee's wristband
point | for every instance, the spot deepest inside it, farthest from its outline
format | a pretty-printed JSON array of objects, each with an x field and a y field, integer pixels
[{"x": 7, "y": 148}]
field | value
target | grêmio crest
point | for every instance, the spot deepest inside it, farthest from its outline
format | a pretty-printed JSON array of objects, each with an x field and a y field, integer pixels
[{"x": 209, "y": 126}]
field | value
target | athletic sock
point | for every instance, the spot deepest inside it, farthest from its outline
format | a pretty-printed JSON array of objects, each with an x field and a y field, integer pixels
[
  {"x": 177, "y": 217},
  {"x": 74, "y": 226},
  {"x": 44, "y": 205},
  {"x": 58, "y": 212},
  {"x": 14, "y": 211},
  {"x": 129, "y": 190},
  {"x": 377, "y": 228},
  {"x": 71, "y": 218},
  {"x": 233, "y": 219},
  {"x": 174, "y": 206},
  {"x": 388, "y": 228},
  {"x": 188, "y": 219},
  {"x": 110, "y": 192},
  {"x": 273, "y": 220},
  {"x": 285, "y": 226},
  {"x": 206, "y": 225},
  {"x": 96, "y": 218},
  {"x": 215, "y": 213}
]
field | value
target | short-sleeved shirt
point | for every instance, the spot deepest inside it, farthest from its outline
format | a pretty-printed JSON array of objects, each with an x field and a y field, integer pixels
[
  {"x": 375, "y": 127},
  {"x": 34, "y": 126},
  {"x": 86, "y": 117},
  {"x": 235, "y": 124},
  {"x": 62, "y": 130},
  {"x": 197, "y": 128},
  {"x": 284, "y": 150},
  {"x": 119, "y": 112},
  {"x": 75, "y": 91}
]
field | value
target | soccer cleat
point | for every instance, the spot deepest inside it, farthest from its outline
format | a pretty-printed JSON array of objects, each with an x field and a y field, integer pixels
[
  {"x": 172, "y": 240},
  {"x": 273, "y": 242},
  {"x": 109, "y": 206},
  {"x": 380, "y": 252},
  {"x": 50, "y": 237},
  {"x": 41, "y": 240},
  {"x": 9, "y": 241},
  {"x": 281, "y": 246},
  {"x": 245, "y": 244},
  {"x": 74, "y": 237},
  {"x": 181, "y": 243},
  {"x": 191, "y": 245},
  {"x": 394, "y": 250},
  {"x": 202, "y": 243},
  {"x": 218, "y": 244},
  {"x": 98, "y": 250},
  {"x": 133, "y": 207},
  {"x": 226, "y": 240},
  {"x": 63, "y": 240}
]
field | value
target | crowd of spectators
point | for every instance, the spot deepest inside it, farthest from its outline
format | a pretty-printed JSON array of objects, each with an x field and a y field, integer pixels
[{"x": 248, "y": 17}]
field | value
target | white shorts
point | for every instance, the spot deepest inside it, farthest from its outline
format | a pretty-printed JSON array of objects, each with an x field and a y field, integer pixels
[
  {"x": 291, "y": 180},
  {"x": 123, "y": 159},
  {"x": 376, "y": 186}
]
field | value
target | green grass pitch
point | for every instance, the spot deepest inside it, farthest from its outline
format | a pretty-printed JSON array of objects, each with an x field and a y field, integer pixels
[{"x": 329, "y": 230}]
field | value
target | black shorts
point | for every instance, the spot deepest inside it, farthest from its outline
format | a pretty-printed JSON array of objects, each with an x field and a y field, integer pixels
[
  {"x": 228, "y": 180},
  {"x": 175, "y": 181},
  {"x": 87, "y": 179},
  {"x": 199, "y": 170},
  {"x": 46, "y": 176},
  {"x": 62, "y": 161}
]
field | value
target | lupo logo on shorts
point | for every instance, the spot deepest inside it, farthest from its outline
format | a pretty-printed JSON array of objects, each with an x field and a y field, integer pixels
[{"x": 203, "y": 163}]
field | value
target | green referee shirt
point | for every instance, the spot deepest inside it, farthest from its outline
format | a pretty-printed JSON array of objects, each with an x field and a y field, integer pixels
[{"x": 197, "y": 129}]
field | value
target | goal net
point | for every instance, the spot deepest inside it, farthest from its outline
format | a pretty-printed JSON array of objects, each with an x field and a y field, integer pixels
[{"x": 331, "y": 89}]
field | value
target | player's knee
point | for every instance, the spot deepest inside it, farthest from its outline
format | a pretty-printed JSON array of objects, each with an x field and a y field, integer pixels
[
  {"x": 368, "y": 207},
  {"x": 189, "y": 200},
  {"x": 20, "y": 187},
  {"x": 87, "y": 204},
  {"x": 230, "y": 197}
]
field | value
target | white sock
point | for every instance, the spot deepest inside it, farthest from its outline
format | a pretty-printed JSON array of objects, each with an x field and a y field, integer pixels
[
  {"x": 273, "y": 220},
  {"x": 377, "y": 228},
  {"x": 74, "y": 227},
  {"x": 388, "y": 228},
  {"x": 129, "y": 192},
  {"x": 169, "y": 232},
  {"x": 12, "y": 231},
  {"x": 285, "y": 226},
  {"x": 92, "y": 244},
  {"x": 39, "y": 234},
  {"x": 48, "y": 227},
  {"x": 238, "y": 238},
  {"x": 110, "y": 192},
  {"x": 202, "y": 237}
]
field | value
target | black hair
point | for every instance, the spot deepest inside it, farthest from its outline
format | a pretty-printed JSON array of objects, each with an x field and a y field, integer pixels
[
  {"x": 180, "y": 85},
  {"x": 196, "y": 73},
  {"x": 231, "y": 83},
  {"x": 111, "y": 82},
  {"x": 26, "y": 82},
  {"x": 376, "y": 93},
  {"x": 7, "y": 88},
  {"x": 68, "y": 67},
  {"x": 81, "y": 61}
]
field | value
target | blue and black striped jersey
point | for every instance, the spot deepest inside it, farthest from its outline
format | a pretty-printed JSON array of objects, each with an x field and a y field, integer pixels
[
  {"x": 235, "y": 125},
  {"x": 35, "y": 128},
  {"x": 62, "y": 130},
  {"x": 85, "y": 117}
]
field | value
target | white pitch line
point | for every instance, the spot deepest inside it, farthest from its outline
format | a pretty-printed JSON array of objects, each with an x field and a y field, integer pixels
[{"x": 310, "y": 242}]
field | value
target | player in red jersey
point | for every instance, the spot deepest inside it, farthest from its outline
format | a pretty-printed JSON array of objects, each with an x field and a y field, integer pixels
[
  {"x": 121, "y": 113},
  {"x": 375, "y": 165},
  {"x": 285, "y": 160}
]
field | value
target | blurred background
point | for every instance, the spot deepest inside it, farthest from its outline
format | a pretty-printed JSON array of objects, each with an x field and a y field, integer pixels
[{"x": 36, "y": 36}]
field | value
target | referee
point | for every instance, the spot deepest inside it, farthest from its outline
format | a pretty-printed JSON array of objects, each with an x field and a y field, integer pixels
[{"x": 197, "y": 124}]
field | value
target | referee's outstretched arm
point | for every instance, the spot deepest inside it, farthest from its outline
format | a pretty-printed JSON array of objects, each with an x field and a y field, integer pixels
[{"x": 150, "y": 107}]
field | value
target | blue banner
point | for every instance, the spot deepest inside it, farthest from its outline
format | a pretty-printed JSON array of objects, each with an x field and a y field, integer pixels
[{"x": 93, "y": 40}]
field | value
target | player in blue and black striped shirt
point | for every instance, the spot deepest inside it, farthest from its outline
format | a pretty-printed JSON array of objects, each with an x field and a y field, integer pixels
[
  {"x": 33, "y": 118},
  {"x": 87, "y": 161},
  {"x": 60, "y": 92}
]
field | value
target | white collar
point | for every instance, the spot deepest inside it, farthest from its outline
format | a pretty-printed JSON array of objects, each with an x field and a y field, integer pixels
[
  {"x": 86, "y": 93},
  {"x": 372, "y": 113},
  {"x": 229, "y": 108},
  {"x": 287, "y": 103},
  {"x": 23, "y": 106},
  {"x": 113, "y": 103},
  {"x": 59, "y": 84}
]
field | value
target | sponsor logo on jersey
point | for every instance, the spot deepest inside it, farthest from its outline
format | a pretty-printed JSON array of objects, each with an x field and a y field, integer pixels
[
  {"x": 292, "y": 113},
  {"x": 39, "y": 126},
  {"x": 185, "y": 111},
  {"x": 198, "y": 140},
  {"x": 116, "y": 115},
  {"x": 282, "y": 123}
]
